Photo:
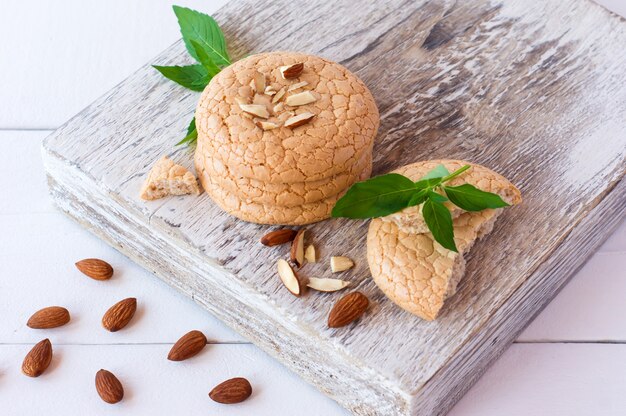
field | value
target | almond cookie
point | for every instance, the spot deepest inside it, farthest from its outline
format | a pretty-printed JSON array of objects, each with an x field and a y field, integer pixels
[
  {"x": 245, "y": 118},
  {"x": 285, "y": 194},
  {"x": 411, "y": 219},
  {"x": 167, "y": 178},
  {"x": 272, "y": 214},
  {"x": 411, "y": 268}
]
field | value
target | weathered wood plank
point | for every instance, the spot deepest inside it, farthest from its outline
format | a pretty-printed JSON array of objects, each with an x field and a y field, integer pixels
[{"x": 535, "y": 91}]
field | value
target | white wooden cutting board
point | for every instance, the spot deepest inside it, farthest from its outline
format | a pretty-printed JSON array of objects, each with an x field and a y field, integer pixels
[{"x": 534, "y": 91}]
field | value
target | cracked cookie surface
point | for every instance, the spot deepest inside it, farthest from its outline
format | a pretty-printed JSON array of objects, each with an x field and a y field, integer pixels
[
  {"x": 281, "y": 194},
  {"x": 271, "y": 214},
  {"x": 343, "y": 129}
]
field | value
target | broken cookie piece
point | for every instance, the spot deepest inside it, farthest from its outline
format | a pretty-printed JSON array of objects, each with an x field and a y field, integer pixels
[
  {"x": 167, "y": 178},
  {"x": 408, "y": 265}
]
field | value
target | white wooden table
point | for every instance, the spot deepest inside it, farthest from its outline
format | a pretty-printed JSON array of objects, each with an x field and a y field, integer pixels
[{"x": 57, "y": 58}]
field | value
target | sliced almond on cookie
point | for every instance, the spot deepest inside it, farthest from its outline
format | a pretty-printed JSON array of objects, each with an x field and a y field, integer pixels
[
  {"x": 299, "y": 120},
  {"x": 327, "y": 285},
  {"x": 289, "y": 278},
  {"x": 297, "y": 85},
  {"x": 258, "y": 110},
  {"x": 302, "y": 98},
  {"x": 279, "y": 95},
  {"x": 297, "y": 248},
  {"x": 291, "y": 71},
  {"x": 267, "y": 125},
  {"x": 259, "y": 82},
  {"x": 340, "y": 264}
]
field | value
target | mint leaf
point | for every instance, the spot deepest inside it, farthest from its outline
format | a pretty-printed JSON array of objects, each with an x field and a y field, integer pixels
[
  {"x": 192, "y": 134},
  {"x": 439, "y": 172},
  {"x": 203, "y": 29},
  {"x": 439, "y": 222},
  {"x": 192, "y": 126},
  {"x": 194, "y": 77},
  {"x": 455, "y": 173},
  {"x": 434, "y": 196},
  {"x": 427, "y": 183},
  {"x": 470, "y": 198},
  {"x": 205, "y": 59},
  {"x": 418, "y": 198},
  {"x": 376, "y": 197}
]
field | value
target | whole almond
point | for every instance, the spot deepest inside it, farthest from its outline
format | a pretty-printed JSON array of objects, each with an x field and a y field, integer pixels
[
  {"x": 109, "y": 387},
  {"x": 119, "y": 315},
  {"x": 235, "y": 390},
  {"x": 187, "y": 346},
  {"x": 347, "y": 309},
  {"x": 50, "y": 317},
  {"x": 38, "y": 359},
  {"x": 277, "y": 237},
  {"x": 95, "y": 268}
]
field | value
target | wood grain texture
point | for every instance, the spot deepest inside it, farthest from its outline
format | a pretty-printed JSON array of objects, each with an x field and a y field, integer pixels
[{"x": 534, "y": 91}]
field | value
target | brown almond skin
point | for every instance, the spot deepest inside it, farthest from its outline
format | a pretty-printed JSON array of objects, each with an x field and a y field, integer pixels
[
  {"x": 297, "y": 245},
  {"x": 95, "y": 268},
  {"x": 119, "y": 315},
  {"x": 275, "y": 238},
  {"x": 109, "y": 387},
  {"x": 38, "y": 359},
  {"x": 347, "y": 309},
  {"x": 293, "y": 70},
  {"x": 235, "y": 390},
  {"x": 187, "y": 346},
  {"x": 50, "y": 317}
]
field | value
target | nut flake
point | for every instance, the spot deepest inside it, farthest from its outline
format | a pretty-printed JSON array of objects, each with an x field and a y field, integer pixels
[
  {"x": 299, "y": 120},
  {"x": 278, "y": 95},
  {"x": 340, "y": 264},
  {"x": 327, "y": 285},
  {"x": 258, "y": 110},
  {"x": 302, "y": 98},
  {"x": 297, "y": 85}
]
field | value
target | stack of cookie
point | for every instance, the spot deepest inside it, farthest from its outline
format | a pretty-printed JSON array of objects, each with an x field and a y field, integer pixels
[{"x": 282, "y": 136}]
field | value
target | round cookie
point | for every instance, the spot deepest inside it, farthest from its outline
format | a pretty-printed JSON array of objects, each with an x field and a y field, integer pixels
[
  {"x": 272, "y": 214},
  {"x": 287, "y": 194},
  {"x": 342, "y": 130}
]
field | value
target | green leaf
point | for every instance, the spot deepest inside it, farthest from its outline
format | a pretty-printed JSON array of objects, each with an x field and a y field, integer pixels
[
  {"x": 192, "y": 125},
  {"x": 439, "y": 172},
  {"x": 418, "y": 198},
  {"x": 203, "y": 29},
  {"x": 376, "y": 197},
  {"x": 439, "y": 222},
  {"x": 434, "y": 196},
  {"x": 205, "y": 59},
  {"x": 470, "y": 198},
  {"x": 427, "y": 183},
  {"x": 192, "y": 134},
  {"x": 194, "y": 77},
  {"x": 455, "y": 173}
]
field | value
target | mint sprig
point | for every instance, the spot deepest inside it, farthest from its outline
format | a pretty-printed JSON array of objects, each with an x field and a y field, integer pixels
[
  {"x": 205, "y": 43},
  {"x": 383, "y": 195}
]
